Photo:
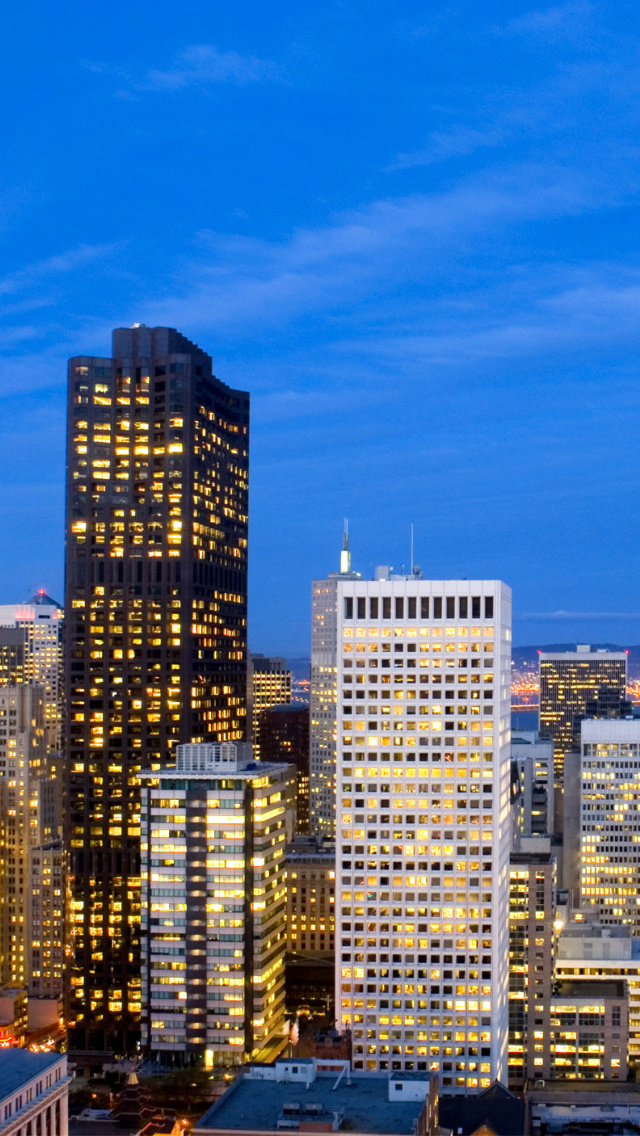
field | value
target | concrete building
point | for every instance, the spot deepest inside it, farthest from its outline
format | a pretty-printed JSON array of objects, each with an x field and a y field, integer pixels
[
  {"x": 34, "y": 1093},
  {"x": 311, "y": 889},
  {"x": 323, "y": 697},
  {"x": 268, "y": 684},
  {"x": 589, "y": 951},
  {"x": 284, "y": 736},
  {"x": 22, "y": 767},
  {"x": 422, "y": 857},
  {"x": 156, "y": 642},
  {"x": 532, "y": 936},
  {"x": 584, "y": 1107},
  {"x": 41, "y": 621},
  {"x": 323, "y": 1095},
  {"x": 214, "y": 831},
  {"x": 610, "y": 821},
  {"x": 569, "y": 682},
  {"x": 588, "y": 1031}
]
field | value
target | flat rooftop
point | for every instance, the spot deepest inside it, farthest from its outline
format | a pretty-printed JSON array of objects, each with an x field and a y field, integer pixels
[
  {"x": 18, "y": 1066},
  {"x": 252, "y": 1105}
]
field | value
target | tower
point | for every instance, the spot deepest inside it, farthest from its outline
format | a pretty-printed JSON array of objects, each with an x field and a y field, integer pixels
[
  {"x": 156, "y": 594},
  {"x": 423, "y": 834},
  {"x": 322, "y": 696}
]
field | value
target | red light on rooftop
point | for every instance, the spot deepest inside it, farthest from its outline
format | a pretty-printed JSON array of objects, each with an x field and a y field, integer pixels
[{"x": 40, "y": 591}]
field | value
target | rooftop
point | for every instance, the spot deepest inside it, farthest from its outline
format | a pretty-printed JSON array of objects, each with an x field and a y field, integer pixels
[
  {"x": 18, "y": 1066},
  {"x": 251, "y": 1105}
]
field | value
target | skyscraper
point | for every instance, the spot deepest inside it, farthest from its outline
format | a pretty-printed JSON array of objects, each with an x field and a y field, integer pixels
[
  {"x": 268, "y": 684},
  {"x": 156, "y": 596},
  {"x": 572, "y": 684},
  {"x": 423, "y": 841},
  {"x": 322, "y": 696}
]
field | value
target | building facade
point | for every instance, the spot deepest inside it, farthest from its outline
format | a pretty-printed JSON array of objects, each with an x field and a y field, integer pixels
[
  {"x": 532, "y": 937},
  {"x": 610, "y": 821},
  {"x": 284, "y": 736},
  {"x": 569, "y": 680},
  {"x": 268, "y": 684},
  {"x": 214, "y": 831},
  {"x": 311, "y": 894},
  {"x": 323, "y": 697},
  {"x": 34, "y": 1093},
  {"x": 589, "y": 951},
  {"x": 422, "y": 857},
  {"x": 156, "y": 595},
  {"x": 22, "y": 768}
]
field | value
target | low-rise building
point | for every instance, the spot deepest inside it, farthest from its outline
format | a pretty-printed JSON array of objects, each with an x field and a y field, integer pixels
[
  {"x": 314, "y": 1095},
  {"x": 34, "y": 1093}
]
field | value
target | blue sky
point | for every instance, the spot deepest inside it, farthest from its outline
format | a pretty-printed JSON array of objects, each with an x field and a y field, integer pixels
[{"x": 410, "y": 230}]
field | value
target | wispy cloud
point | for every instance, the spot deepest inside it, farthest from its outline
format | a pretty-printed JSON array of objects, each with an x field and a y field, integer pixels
[
  {"x": 53, "y": 266},
  {"x": 199, "y": 65},
  {"x": 561, "y": 17}
]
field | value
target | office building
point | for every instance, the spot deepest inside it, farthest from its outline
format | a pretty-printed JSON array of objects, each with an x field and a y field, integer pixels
[
  {"x": 22, "y": 766},
  {"x": 41, "y": 621},
  {"x": 532, "y": 936},
  {"x": 587, "y": 952},
  {"x": 323, "y": 696},
  {"x": 214, "y": 831},
  {"x": 311, "y": 891},
  {"x": 155, "y": 651},
  {"x": 268, "y": 684},
  {"x": 422, "y": 857},
  {"x": 588, "y": 1032},
  {"x": 34, "y": 1093},
  {"x": 284, "y": 736},
  {"x": 610, "y": 821},
  {"x": 569, "y": 680}
]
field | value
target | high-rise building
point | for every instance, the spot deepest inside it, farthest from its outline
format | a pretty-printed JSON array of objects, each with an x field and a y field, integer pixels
[
  {"x": 22, "y": 765},
  {"x": 156, "y": 602},
  {"x": 268, "y": 684},
  {"x": 610, "y": 821},
  {"x": 569, "y": 680},
  {"x": 214, "y": 831},
  {"x": 323, "y": 696},
  {"x": 422, "y": 858},
  {"x": 532, "y": 938},
  {"x": 284, "y": 736},
  {"x": 41, "y": 621}
]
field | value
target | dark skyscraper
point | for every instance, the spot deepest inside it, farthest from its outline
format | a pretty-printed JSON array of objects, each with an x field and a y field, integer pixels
[{"x": 156, "y": 595}]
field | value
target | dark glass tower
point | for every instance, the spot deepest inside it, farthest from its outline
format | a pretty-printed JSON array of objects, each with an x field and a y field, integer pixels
[{"x": 156, "y": 593}]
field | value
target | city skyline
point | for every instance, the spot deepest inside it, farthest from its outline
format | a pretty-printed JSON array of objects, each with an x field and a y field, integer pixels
[{"x": 407, "y": 237}]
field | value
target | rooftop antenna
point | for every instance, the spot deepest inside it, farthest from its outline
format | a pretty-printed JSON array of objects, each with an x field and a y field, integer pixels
[
  {"x": 345, "y": 555},
  {"x": 412, "y": 549}
]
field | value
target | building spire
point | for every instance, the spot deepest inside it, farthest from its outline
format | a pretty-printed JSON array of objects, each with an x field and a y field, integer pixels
[{"x": 345, "y": 555}]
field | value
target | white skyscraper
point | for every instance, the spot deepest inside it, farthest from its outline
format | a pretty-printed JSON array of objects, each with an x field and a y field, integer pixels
[
  {"x": 423, "y": 833},
  {"x": 322, "y": 698}
]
